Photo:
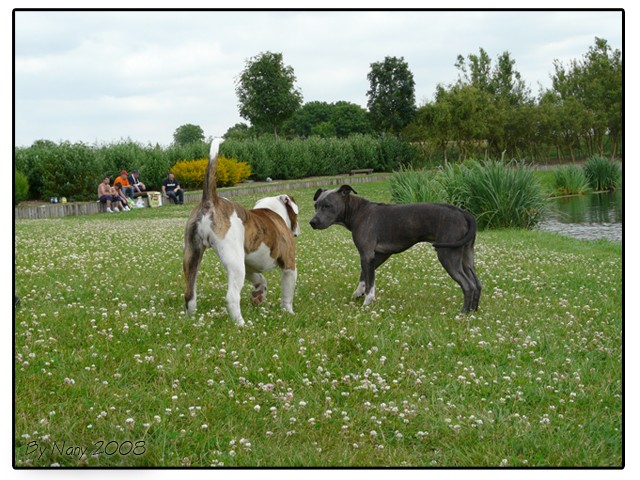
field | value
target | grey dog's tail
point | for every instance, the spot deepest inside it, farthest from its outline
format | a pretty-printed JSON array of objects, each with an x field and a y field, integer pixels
[
  {"x": 468, "y": 238},
  {"x": 209, "y": 190}
]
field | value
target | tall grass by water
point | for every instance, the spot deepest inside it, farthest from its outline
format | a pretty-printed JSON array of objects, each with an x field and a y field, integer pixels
[
  {"x": 570, "y": 180},
  {"x": 603, "y": 173},
  {"x": 498, "y": 194},
  {"x": 106, "y": 361},
  {"x": 408, "y": 185}
]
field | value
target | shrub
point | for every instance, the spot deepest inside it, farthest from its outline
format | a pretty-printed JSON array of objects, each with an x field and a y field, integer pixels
[
  {"x": 72, "y": 171},
  {"x": 231, "y": 172},
  {"x": 602, "y": 173},
  {"x": 191, "y": 173},
  {"x": 570, "y": 180},
  {"x": 315, "y": 155},
  {"x": 20, "y": 187}
]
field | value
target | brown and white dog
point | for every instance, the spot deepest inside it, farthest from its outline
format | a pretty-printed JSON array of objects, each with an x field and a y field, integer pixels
[{"x": 248, "y": 242}]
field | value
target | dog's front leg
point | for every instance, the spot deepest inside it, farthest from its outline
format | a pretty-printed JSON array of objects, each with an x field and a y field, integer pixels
[
  {"x": 360, "y": 288},
  {"x": 367, "y": 284},
  {"x": 367, "y": 264},
  {"x": 289, "y": 278}
]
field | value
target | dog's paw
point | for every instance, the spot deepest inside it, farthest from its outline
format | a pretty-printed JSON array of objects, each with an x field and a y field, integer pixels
[
  {"x": 191, "y": 309},
  {"x": 287, "y": 307},
  {"x": 371, "y": 297},
  {"x": 258, "y": 296},
  {"x": 359, "y": 291}
]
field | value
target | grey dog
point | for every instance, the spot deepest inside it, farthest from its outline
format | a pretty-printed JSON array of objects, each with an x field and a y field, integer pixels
[{"x": 379, "y": 230}]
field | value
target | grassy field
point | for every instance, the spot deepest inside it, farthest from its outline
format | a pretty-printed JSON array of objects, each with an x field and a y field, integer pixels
[{"x": 109, "y": 372}]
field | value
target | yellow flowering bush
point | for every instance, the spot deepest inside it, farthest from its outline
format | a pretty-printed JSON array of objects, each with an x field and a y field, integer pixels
[{"x": 191, "y": 173}]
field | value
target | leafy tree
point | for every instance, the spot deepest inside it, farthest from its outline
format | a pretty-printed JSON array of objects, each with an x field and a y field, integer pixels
[
  {"x": 503, "y": 81},
  {"x": 508, "y": 93},
  {"x": 596, "y": 83},
  {"x": 391, "y": 95},
  {"x": 349, "y": 118},
  {"x": 307, "y": 117},
  {"x": 266, "y": 92},
  {"x": 477, "y": 72},
  {"x": 324, "y": 130},
  {"x": 188, "y": 134},
  {"x": 342, "y": 118},
  {"x": 239, "y": 131}
]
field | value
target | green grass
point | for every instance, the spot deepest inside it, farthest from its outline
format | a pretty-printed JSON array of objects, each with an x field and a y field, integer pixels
[{"x": 534, "y": 378}]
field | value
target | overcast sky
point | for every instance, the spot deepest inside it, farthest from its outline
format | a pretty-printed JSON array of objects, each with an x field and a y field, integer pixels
[{"x": 101, "y": 77}]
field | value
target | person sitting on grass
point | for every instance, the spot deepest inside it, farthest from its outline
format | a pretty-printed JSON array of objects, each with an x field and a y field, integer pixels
[{"x": 171, "y": 189}]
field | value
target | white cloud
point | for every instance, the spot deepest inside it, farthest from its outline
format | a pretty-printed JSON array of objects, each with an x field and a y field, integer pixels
[{"x": 102, "y": 76}]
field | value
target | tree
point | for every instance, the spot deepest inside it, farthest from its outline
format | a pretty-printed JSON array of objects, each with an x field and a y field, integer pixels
[
  {"x": 188, "y": 134},
  {"x": 478, "y": 73},
  {"x": 391, "y": 95},
  {"x": 508, "y": 95},
  {"x": 596, "y": 83},
  {"x": 239, "y": 131},
  {"x": 310, "y": 115},
  {"x": 342, "y": 118},
  {"x": 349, "y": 118},
  {"x": 266, "y": 93}
]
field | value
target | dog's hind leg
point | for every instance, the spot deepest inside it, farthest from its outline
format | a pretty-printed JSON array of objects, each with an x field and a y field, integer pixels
[
  {"x": 451, "y": 259},
  {"x": 259, "y": 292},
  {"x": 190, "y": 263},
  {"x": 469, "y": 269},
  {"x": 289, "y": 278},
  {"x": 235, "y": 273}
]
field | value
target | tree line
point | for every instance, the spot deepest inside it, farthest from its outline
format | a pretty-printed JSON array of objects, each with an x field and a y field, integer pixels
[{"x": 488, "y": 111}]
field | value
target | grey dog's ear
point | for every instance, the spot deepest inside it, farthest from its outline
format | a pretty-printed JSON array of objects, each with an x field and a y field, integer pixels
[
  {"x": 318, "y": 193},
  {"x": 346, "y": 189}
]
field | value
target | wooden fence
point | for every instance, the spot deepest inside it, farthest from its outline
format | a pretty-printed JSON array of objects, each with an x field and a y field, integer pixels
[{"x": 84, "y": 208}]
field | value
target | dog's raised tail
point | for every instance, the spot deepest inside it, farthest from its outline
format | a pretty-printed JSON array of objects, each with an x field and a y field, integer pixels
[{"x": 209, "y": 190}]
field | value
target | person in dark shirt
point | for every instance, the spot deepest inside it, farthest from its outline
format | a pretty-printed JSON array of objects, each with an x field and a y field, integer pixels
[
  {"x": 136, "y": 184},
  {"x": 171, "y": 189}
]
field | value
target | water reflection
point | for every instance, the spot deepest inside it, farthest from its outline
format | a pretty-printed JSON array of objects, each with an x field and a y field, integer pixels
[{"x": 598, "y": 215}]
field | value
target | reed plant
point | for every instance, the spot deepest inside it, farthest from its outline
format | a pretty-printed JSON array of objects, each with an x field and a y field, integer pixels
[
  {"x": 408, "y": 185},
  {"x": 499, "y": 194},
  {"x": 570, "y": 180},
  {"x": 603, "y": 174},
  {"x": 503, "y": 195}
]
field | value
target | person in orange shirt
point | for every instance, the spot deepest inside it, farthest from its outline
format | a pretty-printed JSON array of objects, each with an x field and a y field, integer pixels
[{"x": 123, "y": 180}]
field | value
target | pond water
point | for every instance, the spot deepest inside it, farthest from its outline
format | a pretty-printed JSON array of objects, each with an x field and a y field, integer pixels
[{"x": 590, "y": 217}]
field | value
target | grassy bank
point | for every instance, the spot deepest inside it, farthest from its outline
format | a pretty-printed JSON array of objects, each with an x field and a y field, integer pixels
[{"x": 105, "y": 359}]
